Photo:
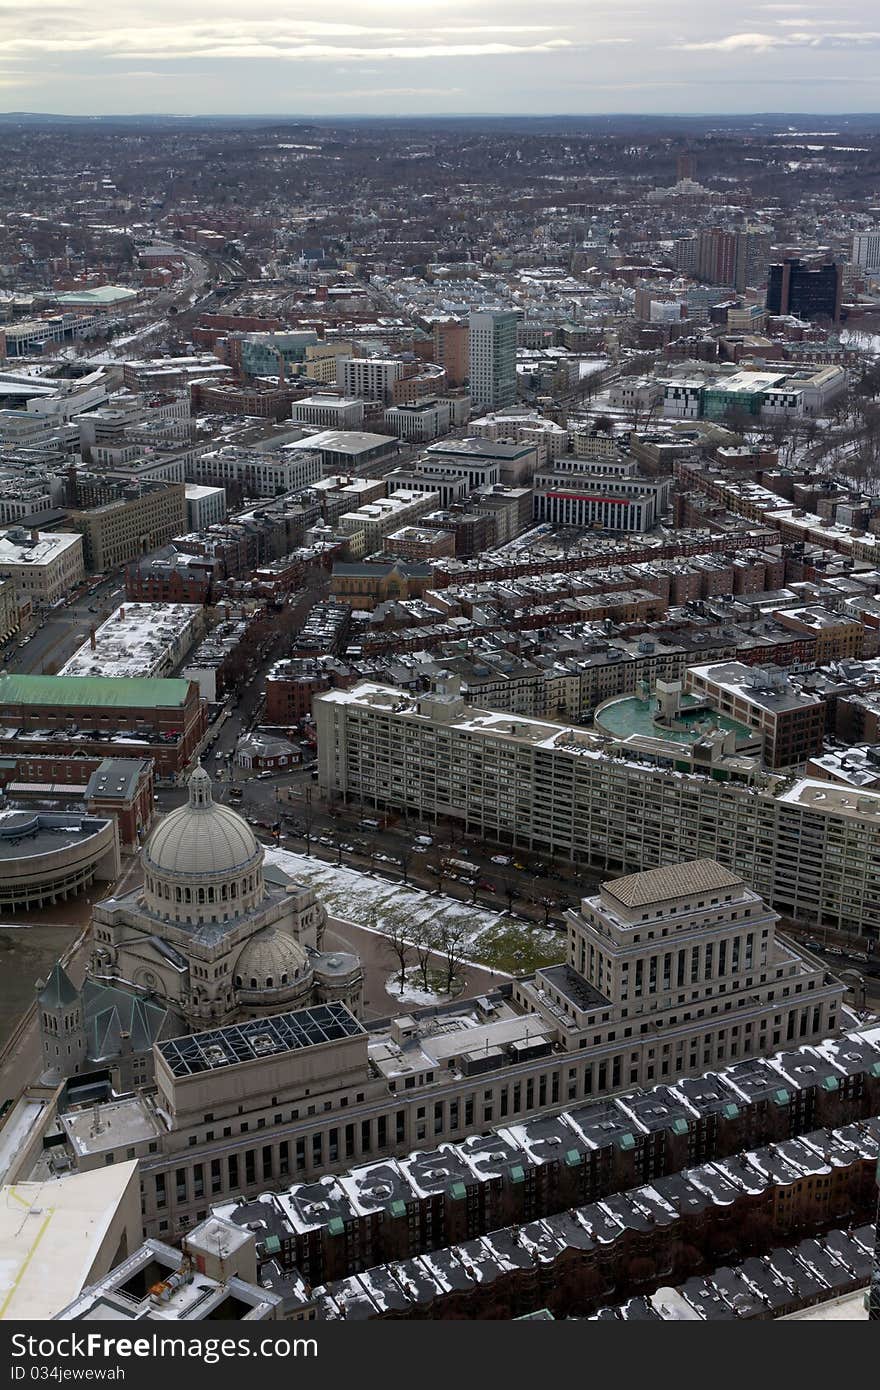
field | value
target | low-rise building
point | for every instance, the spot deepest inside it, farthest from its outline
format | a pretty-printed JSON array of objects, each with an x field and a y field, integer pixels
[
  {"x": 348, "y": 451},
  {"x": 162, "y": 719},
  {"x": 376, "y": 520},
  {"x": 49, "y": 1251},
  {"x": 791, "y": 721},
  {"x": 205, "y": 506},
  {"x": 139, "y": 639},
  {"x": 419, "y": 421},
  {"x": 43, "y": 565},
  {"x": 213, "y": 1276},
  {"x": 118, "y": 532},
  {"x": 47, "y": 857},
  {"x": 599, "y": 496},
  {"x": 484, "y": 460},
  {"x": 329, "y": 411},
  {"x": 259, "y": 473},
  {"x": 420, "y": 543}
]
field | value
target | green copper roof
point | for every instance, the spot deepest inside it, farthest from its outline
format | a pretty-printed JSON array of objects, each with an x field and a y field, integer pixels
[
  {"x": 58, "y": 990},
  {"x": 77, "y": 691}
]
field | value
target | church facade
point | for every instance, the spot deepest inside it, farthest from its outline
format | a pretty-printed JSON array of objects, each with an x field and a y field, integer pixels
[{"x": 212, "y": 936}]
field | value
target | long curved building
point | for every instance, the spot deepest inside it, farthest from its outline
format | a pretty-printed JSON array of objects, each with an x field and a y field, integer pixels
[{"x": 46, "y": 857}]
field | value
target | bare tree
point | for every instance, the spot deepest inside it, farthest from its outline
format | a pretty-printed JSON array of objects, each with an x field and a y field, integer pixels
[
  {"x": 508, "y": 890},
  {"x": 399, "y": 946},
  {"x": 450, "y": 941},
  {"x": 424, "y": 942},
  {"x": 404, "y": 859}
]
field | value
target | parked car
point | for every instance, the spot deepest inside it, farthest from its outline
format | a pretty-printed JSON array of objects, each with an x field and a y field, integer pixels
[{"x": 500, "y": 859}]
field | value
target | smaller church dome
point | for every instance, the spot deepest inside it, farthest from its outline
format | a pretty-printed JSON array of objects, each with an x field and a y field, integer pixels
[{"x": 271, "y": 960}]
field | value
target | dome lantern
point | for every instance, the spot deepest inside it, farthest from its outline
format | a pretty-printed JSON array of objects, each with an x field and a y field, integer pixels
[{"x": 200, "y": 788}]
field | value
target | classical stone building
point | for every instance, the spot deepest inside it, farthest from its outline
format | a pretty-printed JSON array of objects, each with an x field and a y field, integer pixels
[{"x": 212, "y": 936}]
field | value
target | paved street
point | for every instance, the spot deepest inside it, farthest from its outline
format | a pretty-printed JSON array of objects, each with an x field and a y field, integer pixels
[{"x": 63, "y": 630}]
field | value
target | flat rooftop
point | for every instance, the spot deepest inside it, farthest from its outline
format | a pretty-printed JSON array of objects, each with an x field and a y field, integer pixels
[
  {"x": 134, "y": 641},
  {"x": 51, "y": 1236},
  {"x": 43, "y": 551},
  {"x": 259, "y": 1037},
  {"x": 96, "y": 1129},
  {"x": 344, "y": 441},
  {"x": 27, "y": 834},
  {"x": 631, "y": 716},
  {"x": 477, "y": 447}
]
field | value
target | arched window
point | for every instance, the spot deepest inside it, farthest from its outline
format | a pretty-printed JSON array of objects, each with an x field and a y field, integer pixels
[
  {"x": 253, "y": 983},
  {"x": 269, "y": 982},
  {"x": 238, "y": 982}
]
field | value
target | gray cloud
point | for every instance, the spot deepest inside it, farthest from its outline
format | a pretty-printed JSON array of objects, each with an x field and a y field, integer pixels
[{"x": 440, "y": 56}]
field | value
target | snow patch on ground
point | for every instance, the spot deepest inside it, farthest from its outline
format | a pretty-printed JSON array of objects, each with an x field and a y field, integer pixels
[
  {"x": 411, "y": 993},
  {"x": 378, "y": 905},
  {"x": 862, "y": 342}
]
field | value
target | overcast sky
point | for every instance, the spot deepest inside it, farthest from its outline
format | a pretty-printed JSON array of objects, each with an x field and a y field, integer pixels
[{"x": 377, "y": 57}]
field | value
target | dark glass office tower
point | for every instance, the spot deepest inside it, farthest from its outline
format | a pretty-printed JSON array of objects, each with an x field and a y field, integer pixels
[{"x": 808, "y": 292}]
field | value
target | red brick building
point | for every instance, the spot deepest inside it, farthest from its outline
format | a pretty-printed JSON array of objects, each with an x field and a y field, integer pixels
[{"x": 47, "y": 716}]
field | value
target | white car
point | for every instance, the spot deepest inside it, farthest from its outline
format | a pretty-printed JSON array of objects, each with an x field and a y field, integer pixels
[{"x": 500, "y": 859}]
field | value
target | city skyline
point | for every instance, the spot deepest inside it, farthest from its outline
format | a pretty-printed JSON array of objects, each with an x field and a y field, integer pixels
[{"x": 491, "y": 57}]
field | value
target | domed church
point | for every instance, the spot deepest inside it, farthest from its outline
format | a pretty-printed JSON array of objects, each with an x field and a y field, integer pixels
[{"x": 213, "y": 935}]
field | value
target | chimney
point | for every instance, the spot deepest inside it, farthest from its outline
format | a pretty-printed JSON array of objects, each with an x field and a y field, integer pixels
[
  {"x": 92, "y": 641},
  {"x": 121, "y": 615},
  {"x": 35, "y": 534}
]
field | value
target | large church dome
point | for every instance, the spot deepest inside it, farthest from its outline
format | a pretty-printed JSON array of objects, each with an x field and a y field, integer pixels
[{"x": 203, "y": 862}]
